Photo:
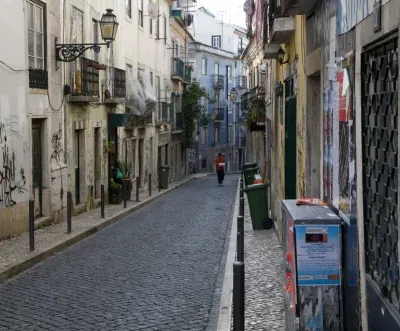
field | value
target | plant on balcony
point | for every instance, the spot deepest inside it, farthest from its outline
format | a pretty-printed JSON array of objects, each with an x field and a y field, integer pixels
[
  {"x": 192, "y": 111},
  {"x": 109, "y": 145},
  {"x": 255, "y": 113},
  {"x": 204, "y": 119}
]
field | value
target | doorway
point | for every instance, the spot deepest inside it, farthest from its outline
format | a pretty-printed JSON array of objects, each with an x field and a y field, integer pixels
[
  {"x": 141, "y": 158},
  {"x": 37, "y": 172},
  {"x": 290, "y": 140},
  {"x": 97, "y": 163}
]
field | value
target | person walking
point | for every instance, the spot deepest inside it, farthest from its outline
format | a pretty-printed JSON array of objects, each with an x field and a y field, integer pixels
[{"x": 220, "y": 165}]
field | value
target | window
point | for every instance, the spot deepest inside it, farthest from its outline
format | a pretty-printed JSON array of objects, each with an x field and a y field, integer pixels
[
  {"x": 158, "y": 28},
  {"x": 204, "y": 66},
  {"x": 216, "y": 41},
  {"x": 230, "y": 72},
  {"x": 216, "y": 68},
  {"x": 204, "y": 136},
  {"x": 128, "y": 8},
  {"x": 151, "y": 79},
  {"x": 95, "y": 36},
  {"x": 151, "y": 26},
  {"x": 158, "y": 92},
  {"x": 141, "y": 13},
  {"x": 216, "y": 134},
  {"x": 229, "y": 133},
  {"x": 36, "y": 51},
  {"x": 165, "y": 30},
  {"x": 182, "y": 52}
]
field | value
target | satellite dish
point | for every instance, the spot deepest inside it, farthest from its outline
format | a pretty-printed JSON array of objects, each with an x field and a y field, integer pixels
[
  {"x": 152, "y": 9},
  {"x": 167, "y": 85},
  {"x": 263, "y": 68}
]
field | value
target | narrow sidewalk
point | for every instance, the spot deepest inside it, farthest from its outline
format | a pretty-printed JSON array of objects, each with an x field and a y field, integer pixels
[
  {"x": 264, "y": 279},
  {"x": 15, "y": 256}
]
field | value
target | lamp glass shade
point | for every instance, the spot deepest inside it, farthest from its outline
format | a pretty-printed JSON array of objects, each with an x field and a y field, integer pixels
[
  {"x": 108, "y": 26},
  {"x": 233, "y": 95},
  {"x": 279, "y": 89},
  {"x": 281, "y": 54}
]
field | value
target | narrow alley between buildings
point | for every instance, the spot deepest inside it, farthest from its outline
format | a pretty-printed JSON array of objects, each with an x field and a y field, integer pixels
[{"x": 159, "y": 269}]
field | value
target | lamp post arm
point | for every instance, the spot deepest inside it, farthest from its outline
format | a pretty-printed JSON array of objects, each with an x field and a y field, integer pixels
[{"x": 71, "y": 52}]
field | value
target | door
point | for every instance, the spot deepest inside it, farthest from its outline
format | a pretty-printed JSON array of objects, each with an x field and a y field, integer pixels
[
  {"x": 141, "y": 159},
  {"x": 97, "y": 163},
  {"x": 37, "y": 167},
  {"x": 290, "y": 140},
  {"x": 77, "y": 170}
]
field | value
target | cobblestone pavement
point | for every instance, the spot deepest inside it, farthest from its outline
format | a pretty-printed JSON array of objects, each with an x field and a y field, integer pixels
[
  {"x": 264, "y": 272},
  {"x": 155, "y": 270},
  {"x": 16, "y": 250}
]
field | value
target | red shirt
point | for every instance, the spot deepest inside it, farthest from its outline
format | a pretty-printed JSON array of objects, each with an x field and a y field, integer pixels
[{"x": 218, "y": 161}]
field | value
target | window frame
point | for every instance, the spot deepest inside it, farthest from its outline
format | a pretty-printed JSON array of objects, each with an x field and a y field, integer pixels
[
  {"x": 151, "y": 26},
  {"x": 42, "y": 5},
  {"x": 204, "y": 66},
  {"x": 216, "y": 134},
  {"x": 216, "y": 38},
  {"x": 128, "y": 8},
  {"x": 204, "y": 135},
  {"x": 141, "y": 17},
  {"x": 165, "y": 30},
  {"x": 157, "y": 28}
]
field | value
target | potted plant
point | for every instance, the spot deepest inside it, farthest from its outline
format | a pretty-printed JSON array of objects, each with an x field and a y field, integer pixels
[
  {"x": 116, "y": 193},
  {"x": 109, "y": 145}
]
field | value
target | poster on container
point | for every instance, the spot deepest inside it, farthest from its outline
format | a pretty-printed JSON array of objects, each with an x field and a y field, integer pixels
[{"x": 318, "y": 255}]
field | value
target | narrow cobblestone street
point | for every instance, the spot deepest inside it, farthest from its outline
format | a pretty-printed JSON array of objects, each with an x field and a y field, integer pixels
[
  {"x": 159, "y": 269},
  {"x": 264, "y": 279}
]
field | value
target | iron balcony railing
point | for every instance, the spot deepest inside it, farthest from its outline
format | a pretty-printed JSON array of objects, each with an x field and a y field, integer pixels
[
  {"x": 38, "y": 78},
  {"x": 177, "y": 125},
  {"x": 178, "y": 68},
  {"x": 86, "y": 78},
  {"x": 178, "y": 14},
  {"x": 218, "y": 81},
  {"x": 118, "y": 83},
  {"x": 188, "y": 75},
  {"x": 219, "y": 114},
  {"x": 242, "y": 82}
]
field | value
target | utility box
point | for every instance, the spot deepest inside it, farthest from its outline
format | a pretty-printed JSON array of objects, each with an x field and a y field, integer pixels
[{"x": 313, "y": 258}]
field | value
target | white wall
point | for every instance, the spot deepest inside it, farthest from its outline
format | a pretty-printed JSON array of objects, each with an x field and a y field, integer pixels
[{"x": 15, "y": 169}]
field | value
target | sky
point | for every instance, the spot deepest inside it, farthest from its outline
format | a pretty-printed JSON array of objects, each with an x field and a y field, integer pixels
[{"x": 231, "y": 10}]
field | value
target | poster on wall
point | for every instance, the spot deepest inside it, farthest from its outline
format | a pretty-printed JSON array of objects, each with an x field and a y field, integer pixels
[
  {"x": 347, "y": 145},
  {"x": 352, "y": 12}
]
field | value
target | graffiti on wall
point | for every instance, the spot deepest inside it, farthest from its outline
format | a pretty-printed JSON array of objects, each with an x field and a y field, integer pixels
[
  {"x": 300, "y": 161},
  {"x": 12, "y": 175},
  {"x": 56, "y": 142},
  {"x": 352, "y": 12}
]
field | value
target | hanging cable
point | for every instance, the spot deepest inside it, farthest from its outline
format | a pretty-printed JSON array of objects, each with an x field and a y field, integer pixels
[{"x": 15, "y": 70}]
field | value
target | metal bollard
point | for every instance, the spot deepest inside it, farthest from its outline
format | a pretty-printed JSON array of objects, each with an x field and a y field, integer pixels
[
  {"x": 102, "y": 200},
  {"x": 241, "y": 206},
  {"x": 137, "y": 188},
  {"x": 238, "y": 296},
  {"x": 125, "y": 193},
  {"x": 150, "y": 185},
  {"x": 69, "y": 212},
  {"x": 31, "y": 225},
  {"x": 240, "y": 239}
]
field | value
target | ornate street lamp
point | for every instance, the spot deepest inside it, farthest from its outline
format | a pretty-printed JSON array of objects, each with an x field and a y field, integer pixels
[
  {"x": 281, "y": 55},
  {"x": 108, "y": 29},
  {"x": 279, "y": 89},
  {"x": 233, "y": 95}
]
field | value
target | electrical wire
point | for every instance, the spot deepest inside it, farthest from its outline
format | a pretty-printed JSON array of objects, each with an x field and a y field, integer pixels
[{"x": 12, "y": 69}]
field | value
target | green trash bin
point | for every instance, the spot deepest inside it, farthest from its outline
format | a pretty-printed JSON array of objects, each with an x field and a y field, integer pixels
[
  {"x": 163, "y": 176},
  {"x": 258, "y": 204},
  {"x": 248, "y": 165},
  {"x": 248, "y": 176}
]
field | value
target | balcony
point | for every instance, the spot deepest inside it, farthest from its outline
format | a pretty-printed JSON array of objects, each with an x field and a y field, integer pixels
[
  {"x": 271, "y": 51},
  {"x": 85, "y": 82},
  {"x": 297, "y": 7},
  {"x": 38, "y": 78},
  {"x": 177, "y": 125},
  {"x": 179, "y": 14},
  {"x": 281, "y": 27},
  {"x": 241, "y": 142},
  {"x": 218, "y": 81},
  {"x": 163, "y": 117},
  {"x": 219, "y": 115},
  {"x": 255, "y": 94},
  {"x": 242, "y": 82},
  {"x": 117, "y": 86},
  {"x": 188, "y": 75},
  {"x": 178, "y": 69}
]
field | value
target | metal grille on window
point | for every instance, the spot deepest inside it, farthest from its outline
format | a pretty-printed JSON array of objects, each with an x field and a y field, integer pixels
[{"x": 380, "y": 164}]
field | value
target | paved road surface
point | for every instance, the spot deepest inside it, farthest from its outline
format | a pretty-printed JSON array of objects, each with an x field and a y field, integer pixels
[{"x": 159, "y": 269}]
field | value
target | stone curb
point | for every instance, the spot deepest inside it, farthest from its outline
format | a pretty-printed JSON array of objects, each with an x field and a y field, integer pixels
[
  {"x": 62, "y": 245},
  {"x": 225, "y": 313}
]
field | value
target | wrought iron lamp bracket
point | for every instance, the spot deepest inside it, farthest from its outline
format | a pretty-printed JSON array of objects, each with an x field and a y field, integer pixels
[{"x": 71, "y": 52}]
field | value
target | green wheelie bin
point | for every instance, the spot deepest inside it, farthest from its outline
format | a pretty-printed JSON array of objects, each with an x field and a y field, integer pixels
[
  {"x": 258, "y": 205},
  {"x": 248, "y": 175},
  {"x": 248, "y": 165},
  {"x": 163, "y": 175}
]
